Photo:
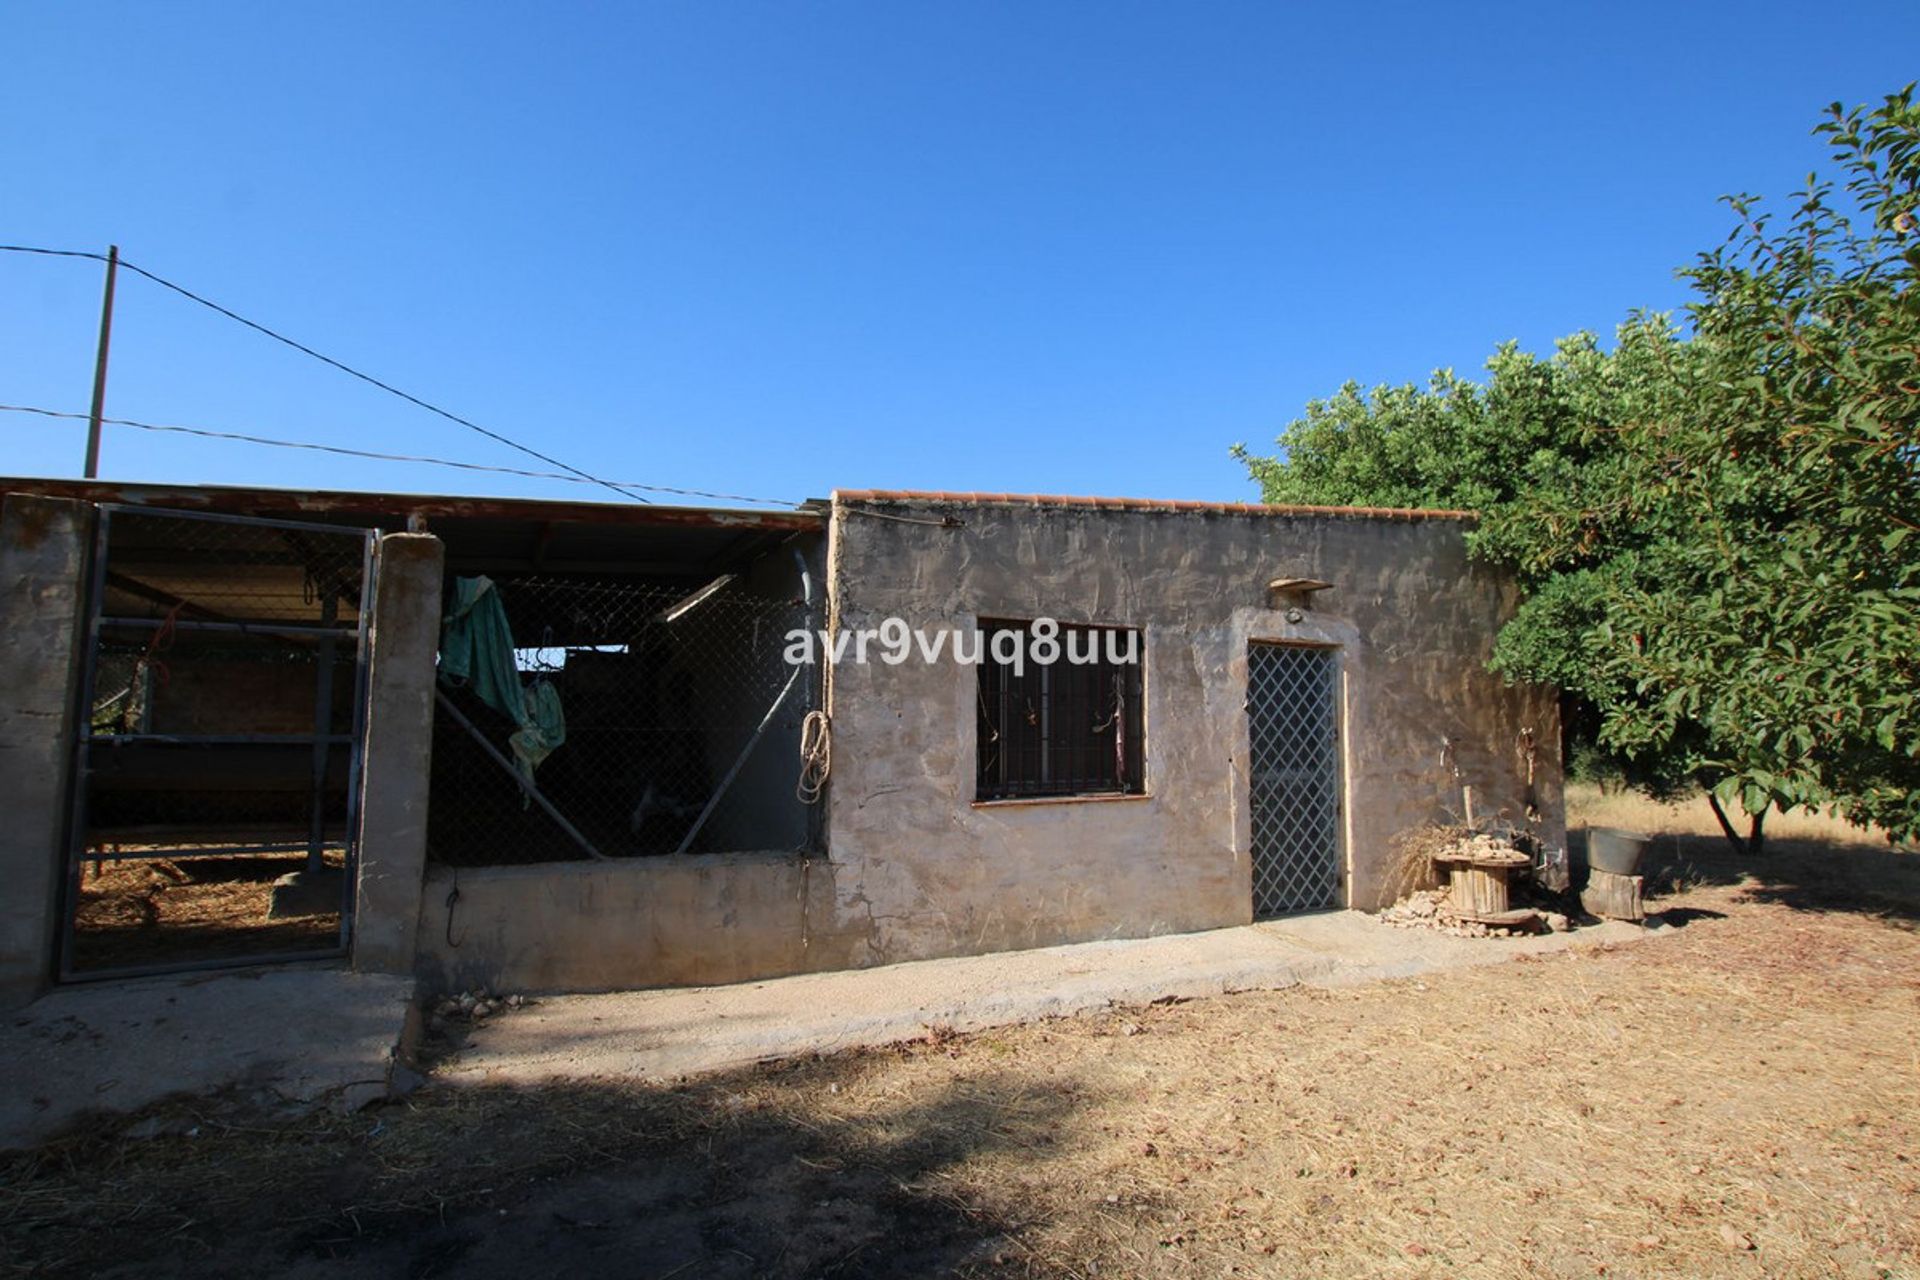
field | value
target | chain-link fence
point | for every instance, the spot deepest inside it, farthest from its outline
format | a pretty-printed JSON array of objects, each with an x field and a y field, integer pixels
[{"x": 650, "y": 719}]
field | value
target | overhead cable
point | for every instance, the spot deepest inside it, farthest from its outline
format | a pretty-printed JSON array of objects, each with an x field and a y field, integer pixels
[
  {"x": 210, "y": 434},
  {"x": 183, "y": 291}
]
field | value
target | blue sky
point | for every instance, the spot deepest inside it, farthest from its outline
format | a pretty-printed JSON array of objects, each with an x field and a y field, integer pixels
[{"x": 771, "y": 249}]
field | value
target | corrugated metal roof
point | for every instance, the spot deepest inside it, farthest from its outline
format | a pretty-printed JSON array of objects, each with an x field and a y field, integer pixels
[
  {"x": 297, "y": 504},
  {"x": 496, "y": 535}
]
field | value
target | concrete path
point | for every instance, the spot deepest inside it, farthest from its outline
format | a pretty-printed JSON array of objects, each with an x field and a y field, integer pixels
[
  {"x": 668, "y": 1033},
  {"x": 300, "y": 1035}
]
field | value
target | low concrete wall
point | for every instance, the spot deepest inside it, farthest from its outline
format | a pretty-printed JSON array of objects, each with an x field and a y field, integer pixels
[
  {"x": 642, "y": 922},
  {"x": 44, "y": 552}
]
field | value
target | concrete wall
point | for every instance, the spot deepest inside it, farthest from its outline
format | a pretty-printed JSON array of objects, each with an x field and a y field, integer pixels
[
  {"x": 45, "y": 548},
  {"x": 202, "y": 695},
  {"x": 596, "y": 926},
  {"x": 921, "y": 870}
]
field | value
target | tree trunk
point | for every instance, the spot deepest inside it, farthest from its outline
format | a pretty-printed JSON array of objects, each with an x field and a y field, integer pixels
[
  {"x": 1755, "y": 844},
  {"x": 1726, "y": 827}
]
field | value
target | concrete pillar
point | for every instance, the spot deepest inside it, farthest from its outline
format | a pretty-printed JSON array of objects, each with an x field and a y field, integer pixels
[
  {"x": 45, "y": 548},
  {"x": 396, "y": 763}
]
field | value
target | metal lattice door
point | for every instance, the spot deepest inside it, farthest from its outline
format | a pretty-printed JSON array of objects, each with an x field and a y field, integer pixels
[{"x": 1294, "y": 778}]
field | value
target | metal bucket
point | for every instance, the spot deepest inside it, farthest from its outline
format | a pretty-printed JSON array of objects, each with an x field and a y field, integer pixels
[{"x": 1613, "y": 850}]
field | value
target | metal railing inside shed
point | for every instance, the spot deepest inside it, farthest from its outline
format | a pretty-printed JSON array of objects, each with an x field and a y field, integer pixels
[{"x": 218, "y": 745}]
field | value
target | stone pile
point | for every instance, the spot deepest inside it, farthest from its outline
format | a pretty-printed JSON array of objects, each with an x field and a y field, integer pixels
[
  {"x": 1481, "y": 845},
  {"x": 1418, "y": 910},
  {"x": 1427, "y": 909},
  {"x": 473, "y": 1006}
]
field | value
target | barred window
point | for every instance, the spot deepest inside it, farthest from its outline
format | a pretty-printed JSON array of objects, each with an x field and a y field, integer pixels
[{"x": 1069, "y": 727}]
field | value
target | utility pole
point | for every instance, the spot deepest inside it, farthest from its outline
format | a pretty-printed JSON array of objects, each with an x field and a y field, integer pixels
[{"x": 100, "y": 365}]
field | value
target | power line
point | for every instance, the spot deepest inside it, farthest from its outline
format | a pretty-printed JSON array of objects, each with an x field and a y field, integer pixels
[
  {"x": 53, "y": 253},
  {"x": 368, "y": 378},
  {"x": 210, "y": 434}
]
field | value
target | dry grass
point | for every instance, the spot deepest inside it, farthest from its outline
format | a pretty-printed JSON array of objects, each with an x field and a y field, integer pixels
[
  {"x": 1737, "y": 1097},
  {"x": 1410, "y": 857},
  {"x": 150, "y": 910},
  {"x": 1588, "y": 805},
  {"x": 1814, "y": 861}
]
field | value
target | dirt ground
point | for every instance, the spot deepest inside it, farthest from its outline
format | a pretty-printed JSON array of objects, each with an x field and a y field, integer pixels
[
  {"x": 158, "y": 910},
  {"x": 1737, "y": 1097}
]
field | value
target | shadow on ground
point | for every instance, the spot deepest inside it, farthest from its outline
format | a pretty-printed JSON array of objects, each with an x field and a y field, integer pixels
[
  {"x": 726, "y": 1177},
  {"x": 1807, "y": 875}
]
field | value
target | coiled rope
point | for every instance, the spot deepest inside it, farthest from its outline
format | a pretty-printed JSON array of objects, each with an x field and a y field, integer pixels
[{"x": 816, "y": 757}]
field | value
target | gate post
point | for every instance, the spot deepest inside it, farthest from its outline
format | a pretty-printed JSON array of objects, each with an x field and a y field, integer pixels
[
  {"x": 396, "y": 762},
  {"x": 44, "y": 551}
]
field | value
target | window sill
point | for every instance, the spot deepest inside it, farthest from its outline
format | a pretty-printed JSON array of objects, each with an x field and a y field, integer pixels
[{"x": 1021, "y": 802}]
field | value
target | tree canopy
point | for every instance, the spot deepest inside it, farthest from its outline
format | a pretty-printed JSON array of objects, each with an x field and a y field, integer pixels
[{"x": 1716, "y": 523}]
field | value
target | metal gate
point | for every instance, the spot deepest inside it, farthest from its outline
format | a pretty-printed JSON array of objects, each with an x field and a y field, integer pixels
[
  {"x": 218, "y": 743},
  {"x": 1293, "y": 728}
]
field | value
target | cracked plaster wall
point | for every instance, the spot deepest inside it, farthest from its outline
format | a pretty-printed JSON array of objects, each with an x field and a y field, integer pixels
[{"x": 918, "y": 869}]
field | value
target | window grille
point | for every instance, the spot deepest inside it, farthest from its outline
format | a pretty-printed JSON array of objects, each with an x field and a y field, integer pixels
[{"x": 1065, "y": 728}]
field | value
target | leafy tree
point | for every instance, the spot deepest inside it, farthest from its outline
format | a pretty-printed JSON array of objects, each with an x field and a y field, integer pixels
[
  {"x": 1716, "y": 528},
  {"x": 1452, "y": 444},
  {"x": 1789, "y": 626}
]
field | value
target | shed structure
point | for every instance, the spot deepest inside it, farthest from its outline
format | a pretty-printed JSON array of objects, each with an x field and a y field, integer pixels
[{"x": 720, "y": 745}]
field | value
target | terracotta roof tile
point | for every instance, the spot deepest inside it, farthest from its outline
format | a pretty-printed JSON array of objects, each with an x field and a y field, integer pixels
[{"x": 1143, "y": 504}]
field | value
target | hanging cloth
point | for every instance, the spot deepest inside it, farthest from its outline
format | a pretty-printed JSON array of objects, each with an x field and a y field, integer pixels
[
  {"x": 545, "y": 729},
  {"x": 476, "y": 652}
]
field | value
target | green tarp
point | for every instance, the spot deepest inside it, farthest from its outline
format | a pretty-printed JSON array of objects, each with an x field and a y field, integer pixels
[{"x": 476, "y": 652}]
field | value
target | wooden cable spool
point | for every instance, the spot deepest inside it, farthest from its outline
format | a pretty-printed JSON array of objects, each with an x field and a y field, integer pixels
[{"x": 1478, "y": 886}]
